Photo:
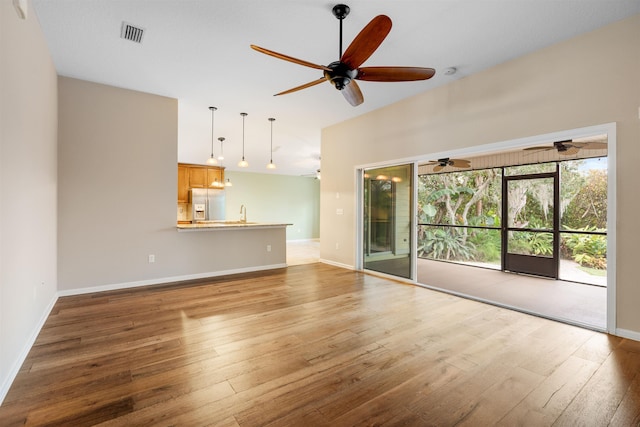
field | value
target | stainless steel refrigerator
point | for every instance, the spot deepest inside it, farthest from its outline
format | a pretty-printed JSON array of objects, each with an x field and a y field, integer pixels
[{"x": 207, "y": 204}]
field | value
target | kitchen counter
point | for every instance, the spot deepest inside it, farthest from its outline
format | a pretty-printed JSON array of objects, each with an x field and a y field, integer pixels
[{"x": 228, "y": 225}]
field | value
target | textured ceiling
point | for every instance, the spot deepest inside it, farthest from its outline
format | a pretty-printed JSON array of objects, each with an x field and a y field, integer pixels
[{"x": 198, "y": 52}]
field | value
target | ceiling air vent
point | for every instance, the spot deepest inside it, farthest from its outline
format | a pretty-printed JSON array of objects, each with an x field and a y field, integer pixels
[{"x": 131, "y": 32}]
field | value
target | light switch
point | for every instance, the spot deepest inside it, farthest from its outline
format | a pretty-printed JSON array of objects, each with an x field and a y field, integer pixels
[{"x": 339, "y": 211}]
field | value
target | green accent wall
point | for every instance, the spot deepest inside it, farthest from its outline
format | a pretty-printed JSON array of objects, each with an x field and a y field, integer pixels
[{"x": 276, "y": 198}]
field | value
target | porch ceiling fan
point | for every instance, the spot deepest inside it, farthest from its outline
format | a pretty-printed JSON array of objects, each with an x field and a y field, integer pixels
[
  {"x": 569, "y": 147},
  {"x": 344, "y": 72},
  {"x": 444, "y": 162}
]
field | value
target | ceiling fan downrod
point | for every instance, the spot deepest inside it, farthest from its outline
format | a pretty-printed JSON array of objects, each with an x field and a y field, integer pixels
[
  {"x": 340, "y": 74},
  {"x": 340, "y": 11}
]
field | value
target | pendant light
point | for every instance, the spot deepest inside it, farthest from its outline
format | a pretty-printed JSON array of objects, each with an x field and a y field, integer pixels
[
  {"x": 271, "y": 165},
  {"x": 228, "y": 183},
  {"x": 243, "y": 163},
  {"x": 221, "y": 155},
  {"x": 212, "y": 160}
]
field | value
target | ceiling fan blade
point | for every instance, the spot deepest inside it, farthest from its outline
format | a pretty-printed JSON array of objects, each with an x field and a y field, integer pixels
[
  {"x": 438, "y": 168},
  {"x": 353, "y": 94},
  {"x": 304, "y": 86},
  {"x": 570, "y": 151},
  {"x": 367, "y": 41},
  {"x": 394, "y": 74},
  {"x": 289, "y": 58},
  {"x": 541, "y": 148},
  {"x": 460, "y": 163},
  {"x": 591, "y": 145}
]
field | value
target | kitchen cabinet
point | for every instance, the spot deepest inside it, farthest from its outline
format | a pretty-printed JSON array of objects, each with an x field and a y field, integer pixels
[
  {"x": 183, "y": 184},
  {"x": 197, "y": 176},
  {"x": 215, "y": 176}
]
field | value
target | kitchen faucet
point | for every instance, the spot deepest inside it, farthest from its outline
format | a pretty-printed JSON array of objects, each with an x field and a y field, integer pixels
[{"x": 243, "y": 218}]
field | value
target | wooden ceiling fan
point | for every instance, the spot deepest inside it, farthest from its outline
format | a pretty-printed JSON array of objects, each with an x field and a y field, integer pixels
[
  {"x": 443, "y": 163},
  {"x": 569, "y": 147},
  {"x": 344, "y": 72}
]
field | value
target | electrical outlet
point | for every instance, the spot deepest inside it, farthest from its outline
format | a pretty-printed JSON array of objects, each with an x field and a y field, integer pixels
[
  {"x": 152, "y": 258},
  {"x": 268, "y": 248},
  {"x": 337, "y": 246}
]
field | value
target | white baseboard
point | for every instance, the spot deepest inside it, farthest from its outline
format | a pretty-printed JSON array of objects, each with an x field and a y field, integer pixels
[
  {"x": 17, "y": 364},
  {"x": 625, "y": 333},
  {"x": 163, "y": 280},
  {"x": 337, "y": 264}
]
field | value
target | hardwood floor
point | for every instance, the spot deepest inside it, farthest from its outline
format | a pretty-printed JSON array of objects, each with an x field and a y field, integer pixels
[{"x": 316, "y": 345}]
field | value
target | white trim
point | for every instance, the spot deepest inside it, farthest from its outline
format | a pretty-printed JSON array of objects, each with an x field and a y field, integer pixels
[
  {"x": 312, "y": 239},
  {"x": 19, "y": 361},
  {"x": 414, "y": 223},
  {"x": 358, "y": 220},
  {"x": 625, "y": 333},
  {"x": 390, "y": 277},
  {"x": 163, "y": 280},
  {"x": 337, "y": 264},
  {"x": 612, "y": 216}
]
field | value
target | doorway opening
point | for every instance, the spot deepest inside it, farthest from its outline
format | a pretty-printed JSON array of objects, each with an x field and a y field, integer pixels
[
  {"x": 387, "y": 210},
  {"x": 541, "y": 217}
]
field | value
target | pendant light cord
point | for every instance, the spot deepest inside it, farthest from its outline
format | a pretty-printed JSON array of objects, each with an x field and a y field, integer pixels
[
  {"x": 213, "y": 109},
  {"x": 271, "y": 152},
  {"x": 243, "y": 116}
]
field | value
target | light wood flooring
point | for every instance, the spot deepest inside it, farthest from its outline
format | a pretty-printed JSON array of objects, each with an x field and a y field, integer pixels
[{"x": 316, "y": 345}]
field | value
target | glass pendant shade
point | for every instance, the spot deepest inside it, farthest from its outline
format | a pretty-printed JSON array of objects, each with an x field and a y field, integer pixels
[
  {"x": 228, "y": 183},
  {"x": 221, "y": 155}
]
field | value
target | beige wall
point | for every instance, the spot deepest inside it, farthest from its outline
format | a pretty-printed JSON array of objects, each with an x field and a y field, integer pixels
[
  {"x": 28, "y": 185},
  {"x": 590, "y": 80},
  {"x": 117, "y": 197}
]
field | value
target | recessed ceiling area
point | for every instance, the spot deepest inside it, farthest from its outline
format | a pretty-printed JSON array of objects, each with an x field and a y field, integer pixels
[{"x": 198, "y": 51}]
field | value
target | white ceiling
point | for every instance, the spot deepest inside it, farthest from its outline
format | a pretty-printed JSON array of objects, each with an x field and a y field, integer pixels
[{"x": 198, "y": 52}]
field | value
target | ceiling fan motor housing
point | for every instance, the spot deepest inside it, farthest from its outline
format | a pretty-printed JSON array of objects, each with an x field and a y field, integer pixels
[{"x": 340, "y": 74}]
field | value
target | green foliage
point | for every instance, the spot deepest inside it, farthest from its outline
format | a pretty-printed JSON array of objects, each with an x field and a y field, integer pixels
[
  {"x": 588, "y": 250},
  {"x": 474, "y": 198},
  {"x": 445, "y": 244},
  {"x": 487, "y": 245},
  {"x": 541, "y": 243},
  {"x": 589, "y": 206}
]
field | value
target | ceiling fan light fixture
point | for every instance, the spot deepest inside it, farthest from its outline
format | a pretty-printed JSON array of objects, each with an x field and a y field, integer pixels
[
  {"x": 243, "y": 163},
  {"x": 344, "y": 72},
  {"x": 212, "y": 160}
]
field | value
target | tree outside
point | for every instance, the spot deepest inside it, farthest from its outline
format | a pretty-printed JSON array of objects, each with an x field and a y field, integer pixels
[{"x": 461, "y": 214}]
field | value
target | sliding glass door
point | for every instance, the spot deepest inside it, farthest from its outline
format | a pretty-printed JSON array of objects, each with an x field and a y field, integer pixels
[{"x": 387, "y": 225}]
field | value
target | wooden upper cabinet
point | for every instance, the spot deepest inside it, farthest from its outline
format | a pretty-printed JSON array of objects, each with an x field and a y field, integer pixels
[
  {"x": 214, "y": 178},
  {"x": 197, "y": 176},
  {"x": 183, "y": 184}
]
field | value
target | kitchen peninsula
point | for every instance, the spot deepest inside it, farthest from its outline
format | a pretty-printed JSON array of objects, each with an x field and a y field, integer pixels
[
  {"x": 228, "y": 225},
  {"x": 219, "y": 245}
]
